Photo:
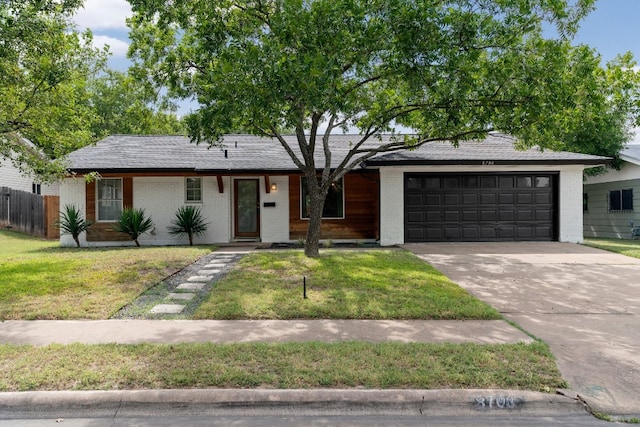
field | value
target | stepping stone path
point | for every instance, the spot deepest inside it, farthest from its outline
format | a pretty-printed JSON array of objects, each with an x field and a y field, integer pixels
[{"x": 198, "y": 280}]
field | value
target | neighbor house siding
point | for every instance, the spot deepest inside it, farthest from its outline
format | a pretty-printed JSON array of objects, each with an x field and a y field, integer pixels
[
  {"x": 11, "y": 177},
  {"x": 361, "y": 210},
  {"x": 599, "y": 221}
]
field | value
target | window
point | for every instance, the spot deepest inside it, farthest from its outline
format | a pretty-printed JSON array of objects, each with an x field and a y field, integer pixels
[
  {"x": 585, "y": 202},
  {"x": 193, "y": 187},
  {"x": 36, "y": 188},
  {"x": 333, "y": 204},
  {"x": 620, "y": 200},
  {"x": 109, "y": 199}
]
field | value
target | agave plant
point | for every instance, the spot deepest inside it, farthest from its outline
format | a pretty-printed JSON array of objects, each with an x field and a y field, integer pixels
[
  {"x": 133, "y": 222},
  {"x": 72, "y": 222},
  {"x": 188, "y": 221}
]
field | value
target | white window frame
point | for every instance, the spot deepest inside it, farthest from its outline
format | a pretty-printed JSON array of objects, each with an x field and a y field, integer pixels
[
  {"x": 99, "y": 199},
  {"x": 186, "y": 189}
]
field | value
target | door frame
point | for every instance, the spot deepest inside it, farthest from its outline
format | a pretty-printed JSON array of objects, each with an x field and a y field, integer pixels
[{"x": 236, "y": 210}]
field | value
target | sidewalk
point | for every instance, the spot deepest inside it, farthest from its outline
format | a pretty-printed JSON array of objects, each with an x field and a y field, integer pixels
[{"x": 44, "y": 332}]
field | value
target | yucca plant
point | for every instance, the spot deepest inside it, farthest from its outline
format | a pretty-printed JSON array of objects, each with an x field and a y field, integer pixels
[
  {"x": 72, "y": 222},
  {"x": 133, "y": 222},
  {"x": 188, "y": 221}
]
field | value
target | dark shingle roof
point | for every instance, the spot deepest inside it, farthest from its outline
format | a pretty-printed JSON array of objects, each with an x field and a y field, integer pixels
[
  {"x": 497, "y": 148},
  {"x": 120, "y": 153}
]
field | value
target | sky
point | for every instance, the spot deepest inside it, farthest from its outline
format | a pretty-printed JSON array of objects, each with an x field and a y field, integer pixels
[{"x": 612, "y": 28}]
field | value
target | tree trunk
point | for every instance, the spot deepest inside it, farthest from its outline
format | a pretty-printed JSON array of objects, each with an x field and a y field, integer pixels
[
  {"x": 75, "y": 237},
  {"x": 190, "y": 239},
  {"x": 137, "y": 243},
  {"x": 312, "y": 242}
]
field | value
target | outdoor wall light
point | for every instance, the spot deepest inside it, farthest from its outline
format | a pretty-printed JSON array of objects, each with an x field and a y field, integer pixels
[{"x": 274, "y": 187}]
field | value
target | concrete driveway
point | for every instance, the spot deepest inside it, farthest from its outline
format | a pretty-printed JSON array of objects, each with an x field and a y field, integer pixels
[{"x": 584, "y": 302}]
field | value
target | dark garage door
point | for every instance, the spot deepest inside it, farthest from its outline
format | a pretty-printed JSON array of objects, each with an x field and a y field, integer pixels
[{"x": 480, "y": 207}]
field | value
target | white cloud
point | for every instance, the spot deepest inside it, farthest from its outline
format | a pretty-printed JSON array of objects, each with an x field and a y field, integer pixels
[
  {"x": 103, "y": 14},
  {"x": 117, "y": 47}
]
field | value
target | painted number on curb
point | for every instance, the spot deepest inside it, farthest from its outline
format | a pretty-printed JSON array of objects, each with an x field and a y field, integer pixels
[{"x": 499, "y": 402}]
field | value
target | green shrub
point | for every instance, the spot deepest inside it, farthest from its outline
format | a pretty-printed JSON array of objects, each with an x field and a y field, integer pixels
[
  {"x": 188, "y": 221},
  {"x": 134, "y": 223},
  {"x": 72, "y": 222}
]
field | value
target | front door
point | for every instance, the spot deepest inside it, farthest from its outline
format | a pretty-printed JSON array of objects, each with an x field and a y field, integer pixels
[{"x": 247, "y": 208}]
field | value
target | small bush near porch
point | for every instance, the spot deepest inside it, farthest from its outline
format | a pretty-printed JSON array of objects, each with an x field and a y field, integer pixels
[
  {"x": 373, "y": 284},
  {"x": 40, "y": 280}
]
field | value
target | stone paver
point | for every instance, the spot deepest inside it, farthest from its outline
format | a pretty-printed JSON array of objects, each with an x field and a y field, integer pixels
[
  {"x": 197, "y": 281},
  {"x": 200, "y": 279},
  {"x": 191, "y": 286},
  {"x": 167, "y": 309},
  {"x": 181, "y": 296}
]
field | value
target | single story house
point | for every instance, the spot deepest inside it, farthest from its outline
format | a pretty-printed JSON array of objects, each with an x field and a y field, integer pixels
[
  {"x": 611, "y": 201},
  {"x": 251, "y": 190}
]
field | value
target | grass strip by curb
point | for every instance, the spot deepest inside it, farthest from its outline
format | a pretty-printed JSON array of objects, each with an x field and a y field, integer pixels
[{"x": 281, "y": 366}]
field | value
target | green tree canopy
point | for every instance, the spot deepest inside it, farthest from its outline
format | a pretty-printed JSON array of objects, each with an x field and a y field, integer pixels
[
  {"x": 123, "y": 106},
  {"x": 447, "y": 69},
  {"x": 44, "y": 66}
]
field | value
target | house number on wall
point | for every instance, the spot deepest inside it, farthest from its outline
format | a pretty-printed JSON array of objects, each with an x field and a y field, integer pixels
[
  {"x": 488, "y": 163},
  {"x": 500, "y": 402}
]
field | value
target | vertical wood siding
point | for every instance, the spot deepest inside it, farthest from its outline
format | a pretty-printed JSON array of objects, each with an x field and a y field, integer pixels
[{"x": 361, "y": 209}]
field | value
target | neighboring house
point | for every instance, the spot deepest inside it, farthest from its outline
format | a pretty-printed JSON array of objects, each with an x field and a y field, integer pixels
[
  {"x": 612, "y": 200},
  {"x": 12, "y": 177},
  {"x": 27, "y": 204},
  {"x": 251, "y": 190}
]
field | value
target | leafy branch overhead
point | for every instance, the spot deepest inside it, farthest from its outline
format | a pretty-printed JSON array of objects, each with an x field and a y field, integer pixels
[{"x": 433, "y": 70}]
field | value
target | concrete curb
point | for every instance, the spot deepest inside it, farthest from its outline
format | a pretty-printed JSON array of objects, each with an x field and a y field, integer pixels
[{"x": 317, "y": 402}]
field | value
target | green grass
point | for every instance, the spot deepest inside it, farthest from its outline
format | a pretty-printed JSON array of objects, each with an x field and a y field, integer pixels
[
  {"x": 374, "y": 284},
  {"x": 40, "y": 280},
  {"x": 282, "y": 366},
  {"x": 625, "y": 247}
]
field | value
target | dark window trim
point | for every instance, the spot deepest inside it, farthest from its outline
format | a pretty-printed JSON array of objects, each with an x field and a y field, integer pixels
[
  {"x": 339, "y": 182},
  {"x": 620, "y": 200}
]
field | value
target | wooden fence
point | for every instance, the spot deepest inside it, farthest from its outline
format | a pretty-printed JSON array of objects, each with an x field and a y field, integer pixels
[{"x": 29, "y": 213}]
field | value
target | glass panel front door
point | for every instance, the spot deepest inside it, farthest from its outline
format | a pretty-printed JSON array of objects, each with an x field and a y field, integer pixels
[{"x": 247, "y": 209}]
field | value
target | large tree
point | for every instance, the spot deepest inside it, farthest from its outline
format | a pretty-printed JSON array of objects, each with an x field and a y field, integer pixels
[
  {"x": 124, "y": 106},
  {"x": 44, "y": 67},
  {"x": 446, "y": 69}
]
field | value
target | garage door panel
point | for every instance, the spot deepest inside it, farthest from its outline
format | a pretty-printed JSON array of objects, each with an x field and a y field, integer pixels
[
  {"x": 452, "y": 233},
  {"x": 470, "y": 216},
  {"x": 524, "y": 198},
  {"x": 451, "y": 199},
  {"x": 434, "y": 216},
  {"x": 415, "y": 217},
  {"x": 506, "y": 198},
  {"x": 488, "y": 198},
  {"x": 480, "y": 207},
  {"x": 415, "y": 200}
]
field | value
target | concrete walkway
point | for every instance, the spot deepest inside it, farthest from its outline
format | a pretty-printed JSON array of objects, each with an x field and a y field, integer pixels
[
  {"x": 44, "y": 332},
  {"x": 583, "y": 302}
]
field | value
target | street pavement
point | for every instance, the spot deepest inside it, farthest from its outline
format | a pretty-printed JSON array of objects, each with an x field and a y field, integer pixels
[{"x": 583, "y": 302}]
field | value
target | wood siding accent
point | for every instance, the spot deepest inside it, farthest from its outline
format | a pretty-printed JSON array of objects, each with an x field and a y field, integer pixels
[
  {"x": 103, "y": 231},
  {"x": 361, "y": 210},
  {"x": 51, "y": 216}
]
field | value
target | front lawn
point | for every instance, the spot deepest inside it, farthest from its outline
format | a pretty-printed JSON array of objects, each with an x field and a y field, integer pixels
[
  {"x": 40, "y": 280},
  {"x": 625, "y": 247},
  {"x": 282, "y": 366},
  {"x": 373, "y": 284}
]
